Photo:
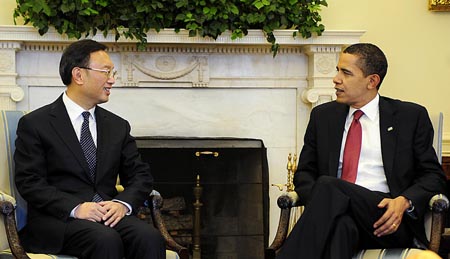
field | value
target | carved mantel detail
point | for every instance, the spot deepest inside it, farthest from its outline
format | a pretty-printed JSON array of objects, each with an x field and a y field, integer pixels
[
  {"x": 142, "y": 69},
  {"x": 322, "y": 62},
  {"x": 10, "y": 93}
]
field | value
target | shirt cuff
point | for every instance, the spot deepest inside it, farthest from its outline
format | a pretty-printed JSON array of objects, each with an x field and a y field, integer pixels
[
  {"x": 72, "y": 213},
  {"x": 411, "y": 207},
  {"x": 411, "y": 211}
]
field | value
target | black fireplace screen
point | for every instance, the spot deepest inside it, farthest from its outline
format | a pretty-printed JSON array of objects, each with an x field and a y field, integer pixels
[{"x": 233, "y": 175}]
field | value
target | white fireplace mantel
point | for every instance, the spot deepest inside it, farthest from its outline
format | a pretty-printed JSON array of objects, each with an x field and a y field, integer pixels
[
  {"x": 192, "y": 86},
  {"x": 167, "y": 36},
  {"x": 322, "y": 52}
]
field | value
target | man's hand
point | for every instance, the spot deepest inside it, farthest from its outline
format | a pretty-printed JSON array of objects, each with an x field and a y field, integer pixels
[
  {"x": 392, "y": 218},
  {"x": 90, "y": 211},
  {"x": 115, "y": 211}
]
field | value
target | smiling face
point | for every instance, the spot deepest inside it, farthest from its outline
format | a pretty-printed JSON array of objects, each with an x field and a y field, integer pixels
[
  {"x": 352, "y": 86},
  {"x": 91, "y": 87}
]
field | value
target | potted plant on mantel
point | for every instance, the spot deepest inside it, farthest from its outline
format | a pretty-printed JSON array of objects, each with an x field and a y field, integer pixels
[{"x": 207, "y": 18}]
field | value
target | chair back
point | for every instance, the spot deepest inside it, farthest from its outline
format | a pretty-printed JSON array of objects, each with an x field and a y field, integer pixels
[
  {"x": 8, "y": 127},
  {"x": 437, "y": 120}
]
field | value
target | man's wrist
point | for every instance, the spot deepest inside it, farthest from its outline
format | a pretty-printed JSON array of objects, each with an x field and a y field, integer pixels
[
  {"x": 411, "y": 207},
  {"x": 74, "y": 210}
]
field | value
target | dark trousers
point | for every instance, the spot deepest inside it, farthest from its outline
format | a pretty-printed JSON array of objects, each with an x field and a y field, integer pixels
[
  {"x": 130, "y": 238},
  {"x": 337, "y": 221}
]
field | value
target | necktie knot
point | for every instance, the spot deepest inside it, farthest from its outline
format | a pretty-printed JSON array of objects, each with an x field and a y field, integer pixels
[
  {"x": 357, "y": 114},
  {"x": 86, "y": 115}
]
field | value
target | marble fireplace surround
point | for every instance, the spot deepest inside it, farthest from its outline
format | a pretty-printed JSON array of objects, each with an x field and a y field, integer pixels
[{"x": 193, "y": 87}]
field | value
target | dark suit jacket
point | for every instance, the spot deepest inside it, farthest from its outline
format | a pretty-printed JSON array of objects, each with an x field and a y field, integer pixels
[
  {"x": 410, "y": 162},
  {"x": 52, "y": 174}
]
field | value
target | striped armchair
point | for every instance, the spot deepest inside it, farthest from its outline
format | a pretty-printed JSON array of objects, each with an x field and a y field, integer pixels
[
  {"x": 434, "y": 220},
  {"x": 13, "y": 207}
]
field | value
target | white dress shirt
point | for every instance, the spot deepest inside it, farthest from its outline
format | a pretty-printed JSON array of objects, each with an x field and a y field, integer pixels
[
  {"x": 370, "y": 168},
  {"x": 75, "y": 111}
]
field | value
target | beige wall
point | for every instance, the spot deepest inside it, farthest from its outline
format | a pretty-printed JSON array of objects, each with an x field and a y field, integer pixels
[
  {"x": 7, "y": 11},
  {"x": 415, "y": 40}
]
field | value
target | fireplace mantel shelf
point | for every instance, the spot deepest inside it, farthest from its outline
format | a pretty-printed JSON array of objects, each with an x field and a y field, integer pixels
[{"x": 169, "y": 36}]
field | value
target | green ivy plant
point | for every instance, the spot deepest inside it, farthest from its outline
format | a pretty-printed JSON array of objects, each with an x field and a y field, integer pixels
[{"x": 208, "y": 18}]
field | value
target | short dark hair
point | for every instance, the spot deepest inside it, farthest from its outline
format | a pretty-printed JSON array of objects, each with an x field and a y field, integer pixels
[
  {"x": 371, "y": 59},
  {"x": 77, "y": 54}
]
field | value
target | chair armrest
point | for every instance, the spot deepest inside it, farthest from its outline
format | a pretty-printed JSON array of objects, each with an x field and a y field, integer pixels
[
  {"x": 438, "y": 205},
  {"x": 155, "y": 203},
  {"x": 8, "y": 210},
  {"x": 286, "y": 201}
]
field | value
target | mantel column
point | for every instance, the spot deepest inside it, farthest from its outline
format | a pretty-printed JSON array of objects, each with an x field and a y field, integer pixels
[
  {"x": 10, "y": 93},
  {"x": 322, "y": 61}
]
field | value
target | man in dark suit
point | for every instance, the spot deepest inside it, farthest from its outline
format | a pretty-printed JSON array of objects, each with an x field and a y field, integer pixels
[
  {"x": 396, "y": 170},
  {"x": 73, "y": 205}
]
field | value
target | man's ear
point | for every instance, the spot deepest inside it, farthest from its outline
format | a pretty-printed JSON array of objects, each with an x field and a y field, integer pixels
[
  {"x": 77, "y": 76},
  {"x": 374, "y": 81}
]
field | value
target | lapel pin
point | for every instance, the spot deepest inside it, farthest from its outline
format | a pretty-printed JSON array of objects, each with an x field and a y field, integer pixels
[{"x": 390, "y": 129}]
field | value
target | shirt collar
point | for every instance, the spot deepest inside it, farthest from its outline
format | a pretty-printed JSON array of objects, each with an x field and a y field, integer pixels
[
  {"x": 74, "y": 110},
  {"x": 370, "y": 109}
]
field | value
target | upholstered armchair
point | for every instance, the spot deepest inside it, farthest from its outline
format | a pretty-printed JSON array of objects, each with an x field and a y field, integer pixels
[
  {"x": 435, "y": 227},
  {"x": 13, "y": 207},
  {"x": 434, "y": 220}
]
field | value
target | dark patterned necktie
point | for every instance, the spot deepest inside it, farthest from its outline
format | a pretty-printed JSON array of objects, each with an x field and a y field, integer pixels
[
  {"x": 352, "y": 149},
  {"x": 89, "y": 150}
]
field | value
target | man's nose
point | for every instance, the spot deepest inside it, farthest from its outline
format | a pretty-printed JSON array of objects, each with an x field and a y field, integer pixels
[
  {"x": 336, "y": 79},
  {"x": 111, "y": 80}
]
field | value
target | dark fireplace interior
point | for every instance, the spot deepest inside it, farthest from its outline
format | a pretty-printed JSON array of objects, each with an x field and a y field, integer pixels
[{"x": 233, "y": 176}]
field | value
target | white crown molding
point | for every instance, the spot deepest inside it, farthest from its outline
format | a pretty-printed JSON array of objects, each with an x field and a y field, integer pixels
[{"x": 25, "y": 33}]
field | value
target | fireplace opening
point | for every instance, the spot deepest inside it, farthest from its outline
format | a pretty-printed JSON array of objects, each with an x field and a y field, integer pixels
[{"x": 233, "y": 177}]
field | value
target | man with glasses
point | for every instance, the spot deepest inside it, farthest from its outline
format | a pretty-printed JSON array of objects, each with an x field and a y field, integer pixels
[{"x": 68, "y": 156}]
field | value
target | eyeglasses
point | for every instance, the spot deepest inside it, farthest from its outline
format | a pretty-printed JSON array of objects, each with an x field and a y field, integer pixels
[{"x": 107, "y": 72}]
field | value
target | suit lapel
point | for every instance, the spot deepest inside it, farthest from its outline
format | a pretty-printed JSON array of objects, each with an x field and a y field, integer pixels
[
  {"x": 388, "y": 135},
  {"x": 103, "y": 134},
  {"x": 60, "y": 120},
  {"x": 335, "y": 132}
]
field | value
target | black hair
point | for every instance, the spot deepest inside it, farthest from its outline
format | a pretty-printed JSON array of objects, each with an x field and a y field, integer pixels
[
  {"x": 371, "y": 59},
  {"x": 77, "y": 54}
]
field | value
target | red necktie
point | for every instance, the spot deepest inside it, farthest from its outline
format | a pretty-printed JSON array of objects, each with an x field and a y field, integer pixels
[{"x": 352, "y": 149}]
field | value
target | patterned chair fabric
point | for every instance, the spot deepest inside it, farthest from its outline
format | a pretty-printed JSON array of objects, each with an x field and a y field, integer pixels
[
  {"x": 14, "y": 207},
  {"x": 386, "y": 253}
]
